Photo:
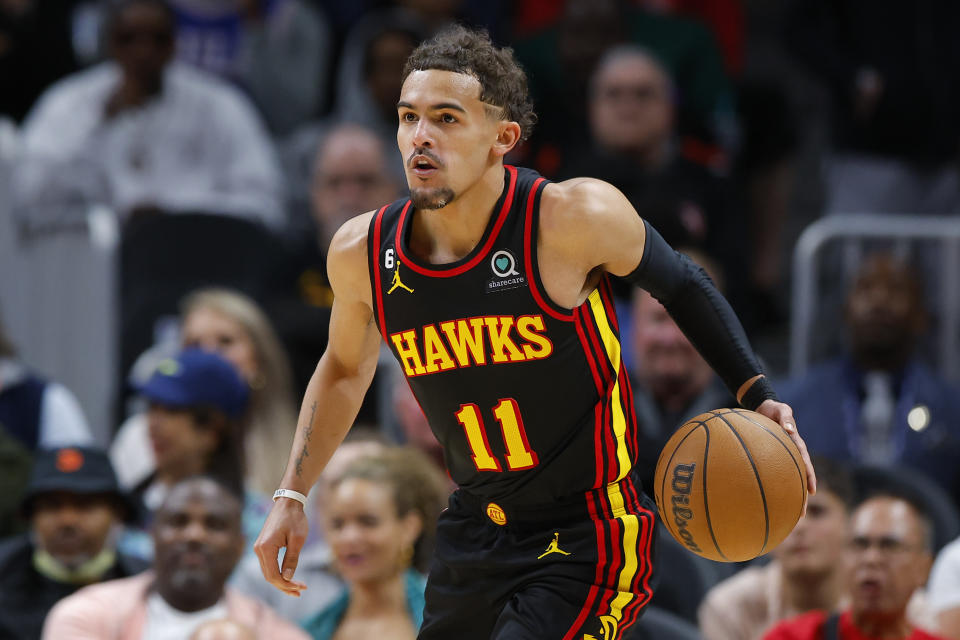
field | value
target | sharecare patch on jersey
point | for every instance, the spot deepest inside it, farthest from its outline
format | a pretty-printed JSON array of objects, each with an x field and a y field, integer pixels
[{"x": 469, "y": 342}]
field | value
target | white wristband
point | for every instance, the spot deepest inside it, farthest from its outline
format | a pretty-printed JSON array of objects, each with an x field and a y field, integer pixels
[{"x": 290, "y": 493}]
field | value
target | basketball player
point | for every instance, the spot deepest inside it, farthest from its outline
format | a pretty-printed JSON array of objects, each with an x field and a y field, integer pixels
[{"x": 491, "y": 287}]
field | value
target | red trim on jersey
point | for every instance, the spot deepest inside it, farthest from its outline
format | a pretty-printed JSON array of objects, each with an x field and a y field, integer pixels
[
  {"x": 633, "y": 500},
  {"x": 613, "y": 470},
  {"x": 647, "y": 516},
  {"x": 601, "y": 559},
  {"x": 616, "y": 565},
  {"x": 633, "y": 609},
  {"x": 528, "y": 258},
  {"x": 597, "y": 410},
  {"x": 606, "y": 295},
  {"x": 626, "y": 393},
  {"x": 603, "y": 360},
  {"x": 377, "y": 288},
  {"x": 484, "y": 250}
]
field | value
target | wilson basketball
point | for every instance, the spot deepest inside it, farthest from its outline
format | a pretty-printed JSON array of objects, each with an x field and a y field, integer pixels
[{"x": 730, "y": 485}]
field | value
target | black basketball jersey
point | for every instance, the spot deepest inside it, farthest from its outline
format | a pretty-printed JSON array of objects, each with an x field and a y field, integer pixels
[{"x": 530, "y": 401}]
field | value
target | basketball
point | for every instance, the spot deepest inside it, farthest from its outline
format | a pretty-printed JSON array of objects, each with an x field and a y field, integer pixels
[{"x": 730, "y": 485}]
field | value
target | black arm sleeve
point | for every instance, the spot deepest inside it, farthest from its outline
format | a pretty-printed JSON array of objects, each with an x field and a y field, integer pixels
[{"x": 703, "y": 314}]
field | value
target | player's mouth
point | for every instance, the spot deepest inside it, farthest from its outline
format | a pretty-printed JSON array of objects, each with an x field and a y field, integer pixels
[{"x": 423, "y": 167}]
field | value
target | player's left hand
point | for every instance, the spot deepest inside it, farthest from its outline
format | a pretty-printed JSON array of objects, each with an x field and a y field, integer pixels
[{"x": 783, "y": 414}]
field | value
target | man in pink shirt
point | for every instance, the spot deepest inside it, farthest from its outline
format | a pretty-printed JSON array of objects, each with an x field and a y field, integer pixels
[
  {"x": 198, "y": 539},
  {"x": 888, "y": 558}
]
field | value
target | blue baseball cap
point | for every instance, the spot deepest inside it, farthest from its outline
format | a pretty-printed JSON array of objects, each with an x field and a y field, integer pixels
[{"x": 197, "y": 378}]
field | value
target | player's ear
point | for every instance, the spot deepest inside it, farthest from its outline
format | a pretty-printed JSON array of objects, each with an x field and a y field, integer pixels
[{"x": 508, "y": 135}]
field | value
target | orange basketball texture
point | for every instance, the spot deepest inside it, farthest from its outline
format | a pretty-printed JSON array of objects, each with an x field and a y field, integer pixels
[{"x": 730, "y": 485}]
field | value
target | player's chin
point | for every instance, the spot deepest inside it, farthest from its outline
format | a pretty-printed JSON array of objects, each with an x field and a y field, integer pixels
[{"x": 431, "y": 197}]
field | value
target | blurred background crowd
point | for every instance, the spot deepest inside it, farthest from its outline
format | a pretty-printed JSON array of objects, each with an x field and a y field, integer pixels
[{"x": 171, "y": 174}]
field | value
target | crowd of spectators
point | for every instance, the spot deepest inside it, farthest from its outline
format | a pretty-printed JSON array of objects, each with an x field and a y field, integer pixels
[{"x": 248, "y": 131}]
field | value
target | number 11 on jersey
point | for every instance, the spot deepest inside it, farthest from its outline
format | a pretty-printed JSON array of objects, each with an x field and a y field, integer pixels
[{"x": 507, "y": 413}]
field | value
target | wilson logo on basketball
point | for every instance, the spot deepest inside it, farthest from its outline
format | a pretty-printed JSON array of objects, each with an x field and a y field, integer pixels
[{"x": 681, "y": 484}]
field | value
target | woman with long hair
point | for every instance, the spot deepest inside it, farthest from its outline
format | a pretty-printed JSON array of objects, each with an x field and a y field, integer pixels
[
  {"x": 379, "y": 518},
  {"x": 231, "y": 324}
]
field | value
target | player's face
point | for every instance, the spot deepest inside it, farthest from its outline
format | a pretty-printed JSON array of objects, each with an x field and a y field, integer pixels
[
  {"x": 887, "y": 557},
  {"x": 816, "y": 545},
  {"x": 367, "y": 536},
  {"x": 446, "y": 134},
  {"x": 210, "y": 330},
  {"x": 71, "y": 527}
]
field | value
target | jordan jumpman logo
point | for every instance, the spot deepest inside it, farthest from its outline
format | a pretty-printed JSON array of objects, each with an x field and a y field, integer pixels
[
  {"x": 398, "y": 283},
  {"x": 554, "y": 546}
]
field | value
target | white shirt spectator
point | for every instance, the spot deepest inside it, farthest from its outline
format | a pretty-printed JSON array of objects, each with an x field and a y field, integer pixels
[
  {"x": 198, "y": 147},
  {"x": 166, "y": 623},
  {"x": 943, "y": 588}
]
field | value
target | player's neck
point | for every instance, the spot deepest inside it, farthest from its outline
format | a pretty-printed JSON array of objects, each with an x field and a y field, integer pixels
[
  {"x": 446, "y": 235},
  {"x": 808, "y": 591}
]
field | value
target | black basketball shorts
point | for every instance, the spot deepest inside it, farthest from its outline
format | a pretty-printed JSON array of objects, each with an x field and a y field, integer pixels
[{"x": 578, "y": 569}]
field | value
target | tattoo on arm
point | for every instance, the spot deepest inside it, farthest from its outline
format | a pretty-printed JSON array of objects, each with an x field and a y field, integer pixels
[{"x": 307, "y": 433}]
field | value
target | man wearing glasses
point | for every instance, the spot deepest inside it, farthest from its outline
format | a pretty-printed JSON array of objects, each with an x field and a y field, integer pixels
[{"x": 889, "y": 557}]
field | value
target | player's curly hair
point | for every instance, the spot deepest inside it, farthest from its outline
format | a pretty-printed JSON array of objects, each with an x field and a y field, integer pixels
[{"x": 503, "y": 82}]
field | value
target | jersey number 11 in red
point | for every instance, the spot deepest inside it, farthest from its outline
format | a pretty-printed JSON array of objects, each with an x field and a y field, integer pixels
[{"x": 507, "y": 413}]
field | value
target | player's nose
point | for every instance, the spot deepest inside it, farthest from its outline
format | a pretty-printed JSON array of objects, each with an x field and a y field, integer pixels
[{"x": 423, "y": 134}]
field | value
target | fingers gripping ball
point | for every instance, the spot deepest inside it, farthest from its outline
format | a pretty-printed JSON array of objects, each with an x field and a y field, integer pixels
[{"x": 730, "y": 485}]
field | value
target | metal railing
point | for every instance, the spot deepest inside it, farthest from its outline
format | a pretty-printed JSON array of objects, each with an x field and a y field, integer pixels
[{"x": 853, "y": 231}]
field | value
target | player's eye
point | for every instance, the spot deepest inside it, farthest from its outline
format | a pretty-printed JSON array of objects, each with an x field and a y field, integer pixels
[
  {"x": 408, "y": 117},
  {"x": 447, "y": 118}
]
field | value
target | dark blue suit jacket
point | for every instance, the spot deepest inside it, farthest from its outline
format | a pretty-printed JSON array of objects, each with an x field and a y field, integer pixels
[{"x": 826, "y": 402}]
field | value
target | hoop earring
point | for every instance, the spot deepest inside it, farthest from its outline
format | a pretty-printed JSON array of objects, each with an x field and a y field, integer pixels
[{"x": 406, "y": 557}]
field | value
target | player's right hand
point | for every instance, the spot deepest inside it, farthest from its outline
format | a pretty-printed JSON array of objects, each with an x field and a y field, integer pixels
[{"x": 286, "y": 526}]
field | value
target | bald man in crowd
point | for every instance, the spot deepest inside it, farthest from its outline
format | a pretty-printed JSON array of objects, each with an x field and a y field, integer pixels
[{"x": 198, "y": 539}]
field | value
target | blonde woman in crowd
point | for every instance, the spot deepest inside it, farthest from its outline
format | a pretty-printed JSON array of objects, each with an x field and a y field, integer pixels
[
  {"x": 234, "y": 326},
  {"x": 380, "y": 518}
]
